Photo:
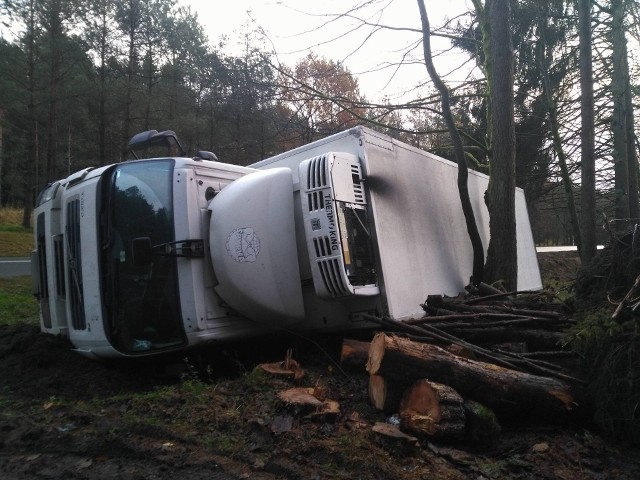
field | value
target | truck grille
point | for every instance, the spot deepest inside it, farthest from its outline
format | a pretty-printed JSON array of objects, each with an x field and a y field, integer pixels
[
  {"x": 74, "y": 259},
  {"x": 317, "y": 172},
  {"x": 331, "y": 277},
  {"x": 358, "y": 191},
  {"x": 316, "y": 200},
  {"x": 323, "y": 246}
]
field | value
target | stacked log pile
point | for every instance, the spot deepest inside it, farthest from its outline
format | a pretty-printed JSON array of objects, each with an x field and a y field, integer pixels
[{"x": 469, "y": 362}]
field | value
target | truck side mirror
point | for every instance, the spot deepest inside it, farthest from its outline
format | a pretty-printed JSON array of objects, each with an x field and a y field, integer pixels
[{"x": 141, "y": 248}]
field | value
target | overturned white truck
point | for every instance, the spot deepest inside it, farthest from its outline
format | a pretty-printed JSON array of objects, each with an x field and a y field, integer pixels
[{"x": 155, "y": 255}]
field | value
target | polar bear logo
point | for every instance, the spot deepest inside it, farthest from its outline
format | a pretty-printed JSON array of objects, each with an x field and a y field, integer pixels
[{"x": 243, "y": 245}]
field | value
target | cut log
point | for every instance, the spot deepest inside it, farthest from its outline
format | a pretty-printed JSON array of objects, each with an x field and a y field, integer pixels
[
  {"x": 482, "y": 428},
  {"x": 354, "y": 355},
  {"x": 385, "y": 395},
  {"x": 434, "y": 410},
  {"x": 501, "y": 389}
]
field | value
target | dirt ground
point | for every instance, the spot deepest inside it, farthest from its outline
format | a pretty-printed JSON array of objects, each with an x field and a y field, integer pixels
[{"x": 212, "y": 415}]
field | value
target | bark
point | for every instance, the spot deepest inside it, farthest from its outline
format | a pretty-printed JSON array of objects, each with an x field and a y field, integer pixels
[
  {"x": 55, "y": 34},
  {"x": 430, "y": 409},
  {"x": 587, "y": 134},
  {"x": 102, "y": 69},
  {"x": 463, "y": 173},
  {"x": 630, "y": 135},
  {"x": 482, "y": 424},
  {"x": 535, "y": 339},
  {"x": 354, "y": 354},
  {"x": 131, "y": 25},
  {"x": 29, "y": 179},
  {"x": 1, "y": 152},
  {"x": 150, "y": 80},
  {"x": 618, "y": 122},
  {"x": 502, "y": 261},
  {"x": 497, "y": 387}
]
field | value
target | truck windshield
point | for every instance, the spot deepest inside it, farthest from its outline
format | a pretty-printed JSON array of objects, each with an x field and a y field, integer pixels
[{"x": 141, "y": 301}]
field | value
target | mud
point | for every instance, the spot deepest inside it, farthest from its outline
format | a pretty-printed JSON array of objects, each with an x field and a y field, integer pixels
[{"x": 211, "y": 415}]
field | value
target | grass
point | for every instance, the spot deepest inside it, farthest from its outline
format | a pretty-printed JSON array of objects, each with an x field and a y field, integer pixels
[
  {"x": 15, "y": 240},
  {"x": 17, "y": 303}
]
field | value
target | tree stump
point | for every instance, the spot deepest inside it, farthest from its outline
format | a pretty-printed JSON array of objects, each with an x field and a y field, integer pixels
[{"x": 303, "y": 401}]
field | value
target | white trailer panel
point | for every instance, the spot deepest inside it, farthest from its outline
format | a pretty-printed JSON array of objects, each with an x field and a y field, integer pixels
[{"x": 417, "y": 224}]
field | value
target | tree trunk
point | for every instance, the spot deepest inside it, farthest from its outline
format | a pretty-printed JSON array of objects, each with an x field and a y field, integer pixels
[
  {"x": 630, "y": 135},
  {"x": 30, "y": 180},
  {"x": 1, "y": 154},
  {"x": 502, "y": 260},
  {"x": 587, "y": 134},
  {"x": 430, "y": 409},
  {"x": 126, "y": 120},
  {"x": 555, "y": 130},
  {"x": 499, "y": 388},
  {"x": 102, "y": 69},
  {"x": 54, "y": 36},
  {"x": 618, "y": 122},
  {"x": 463, "y": 173}
]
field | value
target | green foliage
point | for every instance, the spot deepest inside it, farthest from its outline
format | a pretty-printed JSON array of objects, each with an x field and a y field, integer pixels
[
  {"x": 82, "y": 78},
  {"x": 611, "y": 354},
  {"x": 593, "y": 325},
  {"x": 258, "y": 379}
]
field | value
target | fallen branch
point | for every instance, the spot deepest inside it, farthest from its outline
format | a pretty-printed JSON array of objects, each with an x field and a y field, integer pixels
[
  {"x": 633, "y": 291},
  {"x": 425, "y": 333}
]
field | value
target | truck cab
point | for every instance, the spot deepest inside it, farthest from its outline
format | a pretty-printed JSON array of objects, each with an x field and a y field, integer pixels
[{"x": 123, "y": 259}]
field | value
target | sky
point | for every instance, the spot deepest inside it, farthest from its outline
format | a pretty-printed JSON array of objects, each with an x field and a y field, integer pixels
[{"x": 294, "y": 27}]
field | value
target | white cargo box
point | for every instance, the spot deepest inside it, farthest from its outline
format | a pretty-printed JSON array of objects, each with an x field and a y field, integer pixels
[{"x": 409, "y": 200}]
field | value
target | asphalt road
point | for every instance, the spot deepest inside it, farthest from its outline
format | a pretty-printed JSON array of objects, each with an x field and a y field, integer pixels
[{"x": 14, "y": 266}]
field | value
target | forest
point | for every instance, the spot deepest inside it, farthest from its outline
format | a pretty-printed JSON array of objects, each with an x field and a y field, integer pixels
[{"x": 79, "y": 78}]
